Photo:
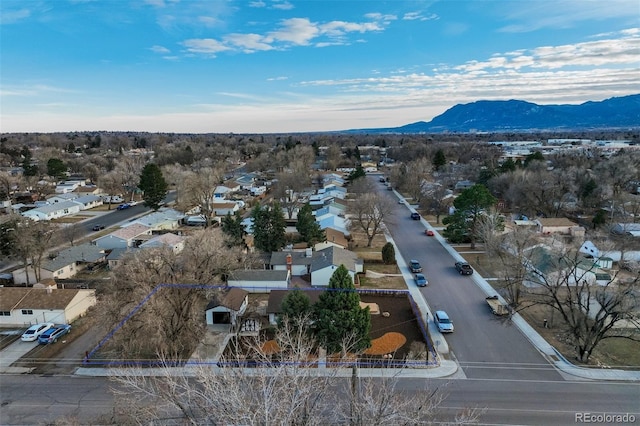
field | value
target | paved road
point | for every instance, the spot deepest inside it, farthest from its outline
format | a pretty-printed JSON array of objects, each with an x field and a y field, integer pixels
[
  {"x": 486, "y": 346},
  {"x": 35, "y": 399}
]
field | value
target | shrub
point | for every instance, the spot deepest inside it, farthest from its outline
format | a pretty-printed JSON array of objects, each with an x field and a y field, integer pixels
[{"x": 388, "y": 254}]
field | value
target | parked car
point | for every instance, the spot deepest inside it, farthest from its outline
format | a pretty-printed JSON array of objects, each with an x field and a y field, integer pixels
[
  {"x": 35, "y": 331},
  {"x": 382, "y": 180},
  {"x": 54, "y": 333},
  {"x": 415, "y": 266},
  {"x": 429, "y": 233},
  {"x": 98, "y": 227},
  {"x": 421, "y": 280},
  {"x": 464, "y": 268},
  {"x": 415, "y": 216},
  {"x": 124, "y": 206},
  {"x": 443, "y": 322}
]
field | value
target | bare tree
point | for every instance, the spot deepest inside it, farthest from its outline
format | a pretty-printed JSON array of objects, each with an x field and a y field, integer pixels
[
  {"x": 71, "y": 232},
  {"x": 111, "y": 183},
  {"x": 295, "y": 389},
  {"x": 28, "y": 242},
  {"x": 591, "y": 311},
  {"x": 170, "y": 321},
  {"x": 368, "y": 212},
  {"x": 418, "y": 171},
  {"x": 197, "y": 189}
]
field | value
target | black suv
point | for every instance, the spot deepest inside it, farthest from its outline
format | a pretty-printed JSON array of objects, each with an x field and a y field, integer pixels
[
  {"x": 415, "y": 266},
  {"x": 98, "y": 227},
  {"x": 415, "y": 216},
  {"x": 464, "y": 268}
]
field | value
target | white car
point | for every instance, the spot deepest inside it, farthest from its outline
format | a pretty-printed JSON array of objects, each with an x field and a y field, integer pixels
[
  {"x": 35, "y": 331},
  {"x": 443, "y": 322}
]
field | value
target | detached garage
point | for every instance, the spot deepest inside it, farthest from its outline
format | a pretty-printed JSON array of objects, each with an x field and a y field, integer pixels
[
  {"x": 227, "y": 307},
  {"x": 259, "y": 281}
]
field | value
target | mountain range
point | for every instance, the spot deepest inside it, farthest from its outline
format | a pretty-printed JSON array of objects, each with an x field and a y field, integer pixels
[{"x": 515, "y": 115}]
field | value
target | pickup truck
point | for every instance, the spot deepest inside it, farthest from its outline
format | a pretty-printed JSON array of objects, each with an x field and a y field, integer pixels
[
  {"x": 497, "y": 307},
  {"x": 464, "y": 268}
]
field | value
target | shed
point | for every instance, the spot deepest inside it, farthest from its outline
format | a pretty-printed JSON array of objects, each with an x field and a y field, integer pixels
[{"x": 227, "y": 307}]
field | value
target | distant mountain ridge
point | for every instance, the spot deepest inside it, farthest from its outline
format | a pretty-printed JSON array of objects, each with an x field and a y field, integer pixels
[{"x": 516, "y": 115}]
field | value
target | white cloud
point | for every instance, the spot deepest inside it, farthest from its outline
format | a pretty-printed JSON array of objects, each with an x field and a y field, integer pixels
[
  {"x": 257, "y": 4},
  {"x": 155, "y": 3},
  {"x": 338, "y": 28},
  {"x": 206, "y": 46},
  {"x": 159, "y": 49},
  {"x": 12, "y": 16},
  {"x": 534, "y": 15},
  {"x": 208, "y": 21},
  {"x": 281, "y": 78},
  {"x": 248, "y": 42},
  {"x": 299, "y": 31},
  {"x": 418, "y": 16},
  {"x": 381, "y": 17},
  {"x": 282, "y": 5}
]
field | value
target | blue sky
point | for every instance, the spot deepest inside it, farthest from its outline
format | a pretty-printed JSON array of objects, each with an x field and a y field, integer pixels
[{"x": 268, "y": 66}]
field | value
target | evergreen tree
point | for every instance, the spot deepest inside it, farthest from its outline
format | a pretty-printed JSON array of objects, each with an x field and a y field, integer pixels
[
  {"x": 388, "y": 254},
  {"x": 268, "y": 228},
  {"x": 234, "y": 229},
  {"x": 357, "y": 173},
  {"x": 439, "y": 160},
  {"x": 307, "y": 226},
  {"x": 338, "y": 317},
  {"x": 153, "y": 185},
  {"x": 470, "y": 205},
  {"x": 56, "y": 168},
  {"x": 295, "y": 307}
]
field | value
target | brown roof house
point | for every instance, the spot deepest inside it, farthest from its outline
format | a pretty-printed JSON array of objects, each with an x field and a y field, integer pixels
[
  {"x": 559, "y": 225},
  {"x": 20, "y": 306},
  {"x": 227, "y": 307}
]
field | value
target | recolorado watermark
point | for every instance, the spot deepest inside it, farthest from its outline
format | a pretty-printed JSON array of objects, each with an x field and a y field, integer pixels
[{"x": 604, "y": 418}]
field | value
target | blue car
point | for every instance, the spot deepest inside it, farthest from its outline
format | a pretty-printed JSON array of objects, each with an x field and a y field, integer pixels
[
  {"x": 124, "y": 206},
  {"x": 421, "y": 280},
  {"x": 53, "y": 334}
]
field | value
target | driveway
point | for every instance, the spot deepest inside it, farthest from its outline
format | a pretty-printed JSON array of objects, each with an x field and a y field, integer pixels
[{"x": 14, "y": 352}]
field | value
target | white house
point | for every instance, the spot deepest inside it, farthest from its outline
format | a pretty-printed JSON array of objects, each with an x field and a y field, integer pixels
[
  {"x": 222, "y": 208},
  {"x": 555, "y": 225},
  {"x": 259, "y": 280},
  {"x": 88, "y": 201},
  {"x": 172, "y": 241},
  {"x": 326, "y": 261},
  {"x": 131, "y": 236},
  {"x": 62, "y": 197},
  {"x": 228, "y": 308},
  {"x": 221, "y": 192},
  {"x": 22, "y": 306},
  {"x": 63, "y": 188},
  {"x": 163, "y": 219},
  {"x": 53, "y": 211}
]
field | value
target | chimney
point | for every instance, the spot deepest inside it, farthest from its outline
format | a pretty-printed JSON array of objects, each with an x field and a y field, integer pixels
[{"x": 289, "y": 262}]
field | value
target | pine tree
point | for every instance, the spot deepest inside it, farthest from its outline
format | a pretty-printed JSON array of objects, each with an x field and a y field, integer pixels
[
  {"x": 307, "y": 226},
  {"x": 153, "y": 185},
  {"x": 268, "y": 228},
  {"x": 388, "y": 254},
  {"x": 234, "y": 229},
  {"x": 294, "y": 309},
  {"x": 338, "y": 317}
]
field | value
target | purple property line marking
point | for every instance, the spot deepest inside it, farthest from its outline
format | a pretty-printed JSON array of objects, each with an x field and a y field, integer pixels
[{"x": 382, "y": 363}]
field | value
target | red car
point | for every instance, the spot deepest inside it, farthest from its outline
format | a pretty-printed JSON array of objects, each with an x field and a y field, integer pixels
[{"x": 429, "y": 232}]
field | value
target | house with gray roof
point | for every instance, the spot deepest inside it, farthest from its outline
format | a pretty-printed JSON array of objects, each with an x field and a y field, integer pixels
[
  {"x": 116, "y": 255},
  {"x": 59, "y": 198},
  {"x": 259, "y": 280},
  {"x": 130, "y": 236},
  {"x": 53, "y": 211},
  {"x": 65, "y": 264},
  {"x": 632, "y": 229},
  {"x": 296, "y": 261},
  {"x": 326, "y": 261},
  {"x": 172, "y": 241},
  {"x": 88, "y": 201},
  {"x": 163, "y": 219}
]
